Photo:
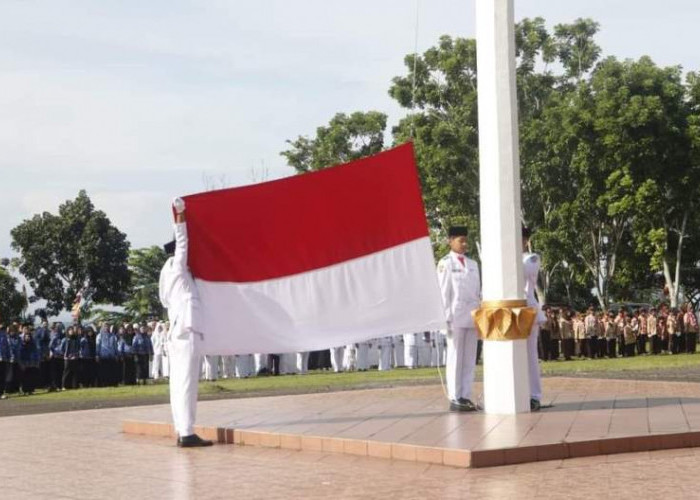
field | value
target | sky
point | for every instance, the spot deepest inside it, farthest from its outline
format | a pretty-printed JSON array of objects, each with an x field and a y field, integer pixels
[{"x": 140, "y": 101}]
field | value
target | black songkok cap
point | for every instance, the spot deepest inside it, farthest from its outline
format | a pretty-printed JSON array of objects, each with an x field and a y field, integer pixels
[
  {"x": 169, "y": 248},
  {"x": 526, "y": 232},
  {"x": 457, "y": 231}
]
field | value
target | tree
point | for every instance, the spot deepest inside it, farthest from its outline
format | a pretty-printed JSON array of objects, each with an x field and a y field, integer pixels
[
  {"x": 145, "y": 265},
  {"x": 78, "y": 249},
  {"x": 344, "y": 139},
  {"x": 12, "y": 301}
]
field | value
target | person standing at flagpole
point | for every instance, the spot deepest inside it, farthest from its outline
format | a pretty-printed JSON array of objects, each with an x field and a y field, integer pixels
[
  {"x": 460, "y": 284},
  {"x": 531, "y": 269},
  {"x": 179, "y": 295}
]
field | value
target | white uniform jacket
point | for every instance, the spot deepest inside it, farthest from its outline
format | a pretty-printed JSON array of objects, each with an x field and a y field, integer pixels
[
  {"x": 177, "y": 289},
  {"x": 531, "y": 269},
  {"x": 461, "y": 289}
]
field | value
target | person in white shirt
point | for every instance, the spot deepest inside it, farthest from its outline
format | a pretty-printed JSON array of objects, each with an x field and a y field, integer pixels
[
  {"x": 410, "y": 349},
  {"x": 531, "y": 268},
  {"x": 179, "y": 295},
  {"x": 460, "y": 285},
  {"x": 160, "y": 352}
]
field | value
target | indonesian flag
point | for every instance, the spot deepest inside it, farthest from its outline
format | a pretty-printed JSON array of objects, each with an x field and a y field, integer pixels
[{"x": 314, "y": 261}]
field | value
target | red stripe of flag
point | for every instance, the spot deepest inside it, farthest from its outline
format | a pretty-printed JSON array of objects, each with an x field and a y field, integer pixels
[{"x": 306, "y": 222}]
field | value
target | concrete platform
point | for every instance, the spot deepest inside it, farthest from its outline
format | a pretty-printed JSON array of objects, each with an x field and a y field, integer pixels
[{"x": 588, "y": 417}]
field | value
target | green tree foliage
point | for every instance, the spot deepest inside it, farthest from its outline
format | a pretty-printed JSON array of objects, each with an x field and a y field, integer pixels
[
  {"x": 345, "y": 138},
  {"x": 145, "y": 265},
  {"x": 78, "y": 249},
  {"x": 609, "y": 149},
  {"x": 12, "y": 301}
]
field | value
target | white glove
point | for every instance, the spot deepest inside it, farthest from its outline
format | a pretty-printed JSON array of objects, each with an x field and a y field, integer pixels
[{"x": 179, "y": 205}]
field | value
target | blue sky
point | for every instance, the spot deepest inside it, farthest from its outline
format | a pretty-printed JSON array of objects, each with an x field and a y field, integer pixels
[{"x": 139, "y": 101}]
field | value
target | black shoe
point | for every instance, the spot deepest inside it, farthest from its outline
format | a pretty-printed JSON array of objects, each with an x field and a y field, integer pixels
[
  {"x": 463, "y": 405},
  {"x": 534, "y": 405},
  {"x": 193, "y": 441}
]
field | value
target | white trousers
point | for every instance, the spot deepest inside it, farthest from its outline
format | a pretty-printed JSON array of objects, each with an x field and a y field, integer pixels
[
  {"x": 534, "y": 364},
  {"x": 245, "y": 364},
  {"x": 350, "y": 357},
  {"x": 337, "y": 355},
  {"x": 424, "y": 353},
  {"x": 385, "y": 352},
  {"x": 261, "y": 362},
  {"x": 398, "y": 351},
  {"x": 228, "y": 366},
  {"x": 211, "y": 367},
  {"x": 303, "y": 362},
  {"x": 461, "y": 362},
  {"x": 183, "y": 351},
  {"x": 159, "y": 367},
  {"x": 410, "y": 355},
  {"x": 362, "y": 356}
]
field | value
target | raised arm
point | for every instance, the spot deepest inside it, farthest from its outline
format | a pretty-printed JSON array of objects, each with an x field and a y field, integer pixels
[{"x": 180, "y": 257}]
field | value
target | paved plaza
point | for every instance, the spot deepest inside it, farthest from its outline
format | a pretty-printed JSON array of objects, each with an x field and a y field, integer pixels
[
  {"x": 85, "y": 455},
  {"x": 585, "y": 417}
]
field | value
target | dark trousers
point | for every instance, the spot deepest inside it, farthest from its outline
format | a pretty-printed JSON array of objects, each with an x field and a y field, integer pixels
[
  {"x": 583, "y": 348},
  {"x": 129, "y": 370},
  {"x": 479, "y": 348},
  {"x": 13, "y": 378},
  {"x": 56, "y": 373},
  {"x": 675, "y": 344},
  {"x": 141, "y": 366},
  {"x": 275, "y": 364},
  {"x": 691, "y": 342},
  {"x": 655, "y": 344},
  {"x": 621, "y": 345},
  {"x": 88, "y": 372},
  {"x": 569, "y": 348},
  {"x": 642, "y": 344},
  {"x": 592, "y": 347},
  {"x": 629, "y": 350},
  {"x": 554, "y": 350},
  {"x": 602, "y": 347},
  {"x": 3, "y": 376},
  {"x": 108, "y": 372},
  {"x": 71, "y": 368},
  {"x": 30, "y": 376},
  {"x": 44, "y": 379},
  {"x": 546, "y": 344},
  {"x": 612, "y": 348}
]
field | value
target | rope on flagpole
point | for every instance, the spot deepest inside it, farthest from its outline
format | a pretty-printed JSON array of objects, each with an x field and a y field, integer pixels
[{"x": 415, "y": 65}]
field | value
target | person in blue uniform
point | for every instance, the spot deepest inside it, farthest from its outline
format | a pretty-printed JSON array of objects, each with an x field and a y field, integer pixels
[
  {"x": 71, "y": 358},
  {"x": 28, "y": 363},
  {"x": 14, "y": 375},
  {"x": 41, "y": 340},
  {"x": 88, "y": 373},
  {"x": 55, "y": 358},
  {"x": 4, "y": 359},
  {"x": 106, "y": 353},
  {"x": 126, "y": 355},
  {"x": 143, "y": 350}
]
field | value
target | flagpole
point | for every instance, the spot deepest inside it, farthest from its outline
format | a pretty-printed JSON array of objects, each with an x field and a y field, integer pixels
[{"x": 503, "y": 320}]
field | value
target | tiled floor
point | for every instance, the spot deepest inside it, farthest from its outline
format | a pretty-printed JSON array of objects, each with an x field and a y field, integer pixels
[
  {"x": 83, "y": 455},
  {"x": 586, "y": 417}
]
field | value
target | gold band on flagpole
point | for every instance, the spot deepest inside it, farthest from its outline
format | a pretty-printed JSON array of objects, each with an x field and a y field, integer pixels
[{"x": 504, "y": 319}]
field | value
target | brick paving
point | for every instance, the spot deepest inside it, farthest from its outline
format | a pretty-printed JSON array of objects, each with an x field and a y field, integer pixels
[
  {"x": 587, "y": 417},
  {"x": 83, "y": 455}
]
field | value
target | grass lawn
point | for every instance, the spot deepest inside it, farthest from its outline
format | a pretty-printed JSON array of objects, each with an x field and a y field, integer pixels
[{"x": 325, "y": 381}]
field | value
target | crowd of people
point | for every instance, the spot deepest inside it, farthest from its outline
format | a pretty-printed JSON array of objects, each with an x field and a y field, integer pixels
[
  {"x": 59, "y": 357},
  {"x": 625, "y": 333}
]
